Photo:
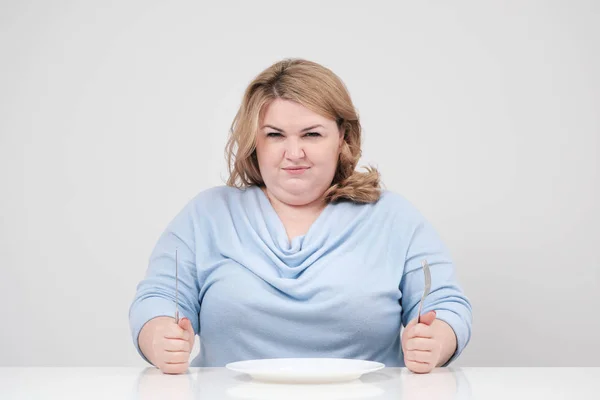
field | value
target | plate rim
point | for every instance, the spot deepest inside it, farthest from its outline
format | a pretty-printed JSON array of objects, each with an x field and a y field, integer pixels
[{"x": 375, "y": 365}]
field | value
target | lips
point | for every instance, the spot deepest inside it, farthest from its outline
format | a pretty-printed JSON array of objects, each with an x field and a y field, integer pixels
[{"x": 296, "y": 170}]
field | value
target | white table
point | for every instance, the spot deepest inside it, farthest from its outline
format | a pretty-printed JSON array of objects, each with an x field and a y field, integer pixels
[{"x": 220, "y": 383}]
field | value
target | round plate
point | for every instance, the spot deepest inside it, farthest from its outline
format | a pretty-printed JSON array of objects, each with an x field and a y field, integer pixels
[{"x": 305, "y": 370}]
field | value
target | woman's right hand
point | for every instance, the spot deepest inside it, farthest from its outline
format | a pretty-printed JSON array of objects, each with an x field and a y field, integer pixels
[{"x": 168, "y": 345}]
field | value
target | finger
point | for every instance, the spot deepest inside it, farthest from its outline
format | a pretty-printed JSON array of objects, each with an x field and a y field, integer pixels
[
  {"x": 419, "y": 330},
  {"x": 419, "y": 343},
  {"x": 186, "y": 325},
  {"x": 422, "y": 331},
  {"x": 428, "y": 318},
  {"x": 411, "y": 324},
  {"x": 418, "y": 367},
  {"x": 175, "y": 332},
  {"x": 176, "y": 357},
  {"x": 407, "y": 331},
  {"x": 419, "y": 356},
  {"x": 174, "y": 368},
  {"x": 177, "y": 345}
]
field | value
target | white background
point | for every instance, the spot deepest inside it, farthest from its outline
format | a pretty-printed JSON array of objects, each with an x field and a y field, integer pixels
[{"x": 485, "y": 115}]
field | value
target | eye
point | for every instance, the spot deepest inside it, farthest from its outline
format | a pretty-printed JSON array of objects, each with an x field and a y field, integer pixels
[
  {"x": 273, "y": 134},
  {"x": 313, "y": 134}
]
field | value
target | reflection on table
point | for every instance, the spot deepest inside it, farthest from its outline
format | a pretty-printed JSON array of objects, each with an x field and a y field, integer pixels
[{"x": 220, "y": 383}]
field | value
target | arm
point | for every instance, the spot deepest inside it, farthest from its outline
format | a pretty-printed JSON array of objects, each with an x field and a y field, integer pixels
[
  {"x": 155, "y": 294},
  {"x": 453, "y": 309}
]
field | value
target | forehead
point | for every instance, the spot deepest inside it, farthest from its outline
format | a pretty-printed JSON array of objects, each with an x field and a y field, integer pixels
[{"x": 286, "y": 113}]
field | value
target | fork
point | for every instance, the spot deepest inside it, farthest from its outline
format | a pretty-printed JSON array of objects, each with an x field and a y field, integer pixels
[
  {"x": 426, "y": 289},
  {"x": 176, "y": 288}
]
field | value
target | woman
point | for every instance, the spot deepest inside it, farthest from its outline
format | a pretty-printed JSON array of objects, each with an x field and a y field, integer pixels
[{"x": 299, "y": 255}]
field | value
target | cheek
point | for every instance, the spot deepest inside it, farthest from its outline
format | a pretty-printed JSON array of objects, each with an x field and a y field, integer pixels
[
  {"x": 325, "y": 155},
  {"x": 268, "y": 154}
]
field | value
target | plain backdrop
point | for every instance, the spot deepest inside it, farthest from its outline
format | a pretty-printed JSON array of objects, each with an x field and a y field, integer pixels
[{"x": 485, "y": 115}]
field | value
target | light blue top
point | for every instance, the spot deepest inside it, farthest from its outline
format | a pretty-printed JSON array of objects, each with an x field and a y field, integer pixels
[{"x": 341, "y": 290}]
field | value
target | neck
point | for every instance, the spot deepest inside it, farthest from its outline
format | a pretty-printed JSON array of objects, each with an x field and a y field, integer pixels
[{"x": 295, "y": 212}]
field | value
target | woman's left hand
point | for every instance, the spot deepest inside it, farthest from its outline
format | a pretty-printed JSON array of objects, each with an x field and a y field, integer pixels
[{"x": 428, "y": 344}]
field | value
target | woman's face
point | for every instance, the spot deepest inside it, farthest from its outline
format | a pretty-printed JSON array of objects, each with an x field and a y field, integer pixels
[{"x": 297, "y": 152}]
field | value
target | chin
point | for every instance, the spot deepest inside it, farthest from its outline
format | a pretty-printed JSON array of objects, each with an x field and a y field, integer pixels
[{"x": 298, "y": 195}]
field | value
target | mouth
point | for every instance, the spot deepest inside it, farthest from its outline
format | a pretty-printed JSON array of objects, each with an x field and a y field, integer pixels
[{"x": 295, "y": 170}]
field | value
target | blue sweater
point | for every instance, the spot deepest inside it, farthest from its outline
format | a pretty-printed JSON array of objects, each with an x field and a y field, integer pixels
[{"x": 344, "y": 289}]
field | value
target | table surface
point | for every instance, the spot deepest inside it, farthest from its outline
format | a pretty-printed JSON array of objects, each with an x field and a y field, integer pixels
[{"x": 220, "y": 383}]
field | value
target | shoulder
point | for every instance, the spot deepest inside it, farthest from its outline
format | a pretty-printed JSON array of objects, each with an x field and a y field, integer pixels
[
  {"x": 206, "y": 206},
  {"x": 216, "y": 194},
  {"x": 392, "y": 212},
  {"x": 409, "y": 225},
  {"x": 215, "y": 198},
  {"x": 398, "y": 206}
]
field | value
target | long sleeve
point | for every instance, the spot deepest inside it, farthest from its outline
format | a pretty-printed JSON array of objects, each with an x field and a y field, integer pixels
[
  {"x": 347, "y": 285},
  {"x": 446, "y": 296},
  {"x": 155, "y": 294}
]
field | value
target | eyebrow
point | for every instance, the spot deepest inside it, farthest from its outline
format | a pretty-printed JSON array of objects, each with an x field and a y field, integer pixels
[{"x": 303, "y": 130}]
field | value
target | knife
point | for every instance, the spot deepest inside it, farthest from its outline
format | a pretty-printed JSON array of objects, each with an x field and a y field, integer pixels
[
  {"x": 176, "y": 289},
  {"x": 427, "y": 287}
]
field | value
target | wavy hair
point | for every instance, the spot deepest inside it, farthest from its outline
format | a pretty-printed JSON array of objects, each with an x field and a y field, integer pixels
[{"x": 320, "y": 90}]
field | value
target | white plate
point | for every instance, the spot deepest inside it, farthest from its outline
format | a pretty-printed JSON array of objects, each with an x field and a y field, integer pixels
[{"x": 305, "y": 370}]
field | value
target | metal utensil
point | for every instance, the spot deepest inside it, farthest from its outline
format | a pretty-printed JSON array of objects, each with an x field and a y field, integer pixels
[
  {"x": 427, "y": 287},
  {"x": 176, "y": 289}
]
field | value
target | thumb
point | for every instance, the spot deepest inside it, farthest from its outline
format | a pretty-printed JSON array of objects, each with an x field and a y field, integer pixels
[
  {"x": 428, "y": 318},
  {"x": 186, "y": 325}
]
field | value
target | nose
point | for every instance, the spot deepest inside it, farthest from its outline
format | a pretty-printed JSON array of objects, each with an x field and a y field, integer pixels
[{"x": 294, "y": 149}]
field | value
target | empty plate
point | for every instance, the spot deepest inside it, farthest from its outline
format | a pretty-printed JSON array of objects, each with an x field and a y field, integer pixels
[{"x": 305, "y": 370}]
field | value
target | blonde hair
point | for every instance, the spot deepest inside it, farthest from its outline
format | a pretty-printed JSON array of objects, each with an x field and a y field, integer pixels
[{"x": 320, "y": 90}]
